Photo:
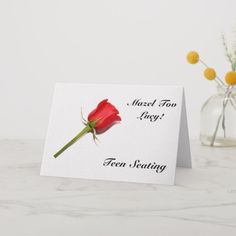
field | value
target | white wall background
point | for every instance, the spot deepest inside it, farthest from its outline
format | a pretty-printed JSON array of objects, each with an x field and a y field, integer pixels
[{"x": 125, "y": 41}]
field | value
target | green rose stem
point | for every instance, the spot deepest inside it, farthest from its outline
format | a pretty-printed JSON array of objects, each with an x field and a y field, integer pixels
[{"x": 88, "y": 128}]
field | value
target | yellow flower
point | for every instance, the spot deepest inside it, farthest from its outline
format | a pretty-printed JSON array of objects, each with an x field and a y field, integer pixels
[
  {"x": 210, "y": 73},
  {"x": 192, "y": 57},
  {"x": 230, "y": 78}
]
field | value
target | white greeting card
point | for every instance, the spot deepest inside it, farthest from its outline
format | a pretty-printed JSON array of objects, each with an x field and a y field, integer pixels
[{"x": 134, "y": 133}]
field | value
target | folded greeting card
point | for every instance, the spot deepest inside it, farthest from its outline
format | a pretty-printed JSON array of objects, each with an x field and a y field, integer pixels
[{"x": 133, "y": 133}]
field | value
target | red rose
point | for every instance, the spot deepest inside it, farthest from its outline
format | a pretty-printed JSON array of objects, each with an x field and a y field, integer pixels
[
  {"x": 99, "y": 120},
  {"x": 104, "y": 116}
]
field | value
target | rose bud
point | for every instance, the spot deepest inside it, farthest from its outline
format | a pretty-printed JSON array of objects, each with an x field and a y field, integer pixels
[{"x": 104, "y": 116}]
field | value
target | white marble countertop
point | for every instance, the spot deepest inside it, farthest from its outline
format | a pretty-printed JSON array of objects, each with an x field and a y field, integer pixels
[{"x": 203, "y": 201}]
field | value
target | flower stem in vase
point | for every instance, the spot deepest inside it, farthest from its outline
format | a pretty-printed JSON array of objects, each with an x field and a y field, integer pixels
[
  {"x": 233, "y": 102},
  {"x": 223, "y": 120},
  {"x": 225, "y": 102}
]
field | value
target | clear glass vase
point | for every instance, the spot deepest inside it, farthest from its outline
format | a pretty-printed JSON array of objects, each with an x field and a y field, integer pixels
[{"x": 218, "y": 119}]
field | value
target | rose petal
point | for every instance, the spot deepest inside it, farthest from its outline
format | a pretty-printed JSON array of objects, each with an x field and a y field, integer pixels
[{"x": 106, "y": 123}]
